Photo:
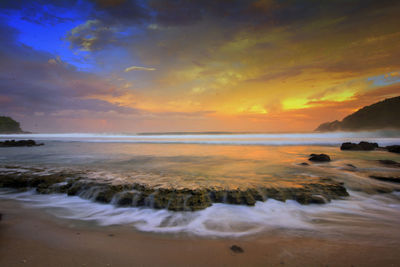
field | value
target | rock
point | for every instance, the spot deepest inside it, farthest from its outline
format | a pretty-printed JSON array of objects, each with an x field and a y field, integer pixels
[
  {"x": 304, "y": 164},
  {"x": 197, "y": 201},
  {"x": 236, "y": 249},
  {"x": 106, "y": 193},
  {"x": 319, "y": 158},
  {"x": 240, "y": 197},
  {"x": 125, "y": 199},
  {"x": 317, "y": 199},
  {"x": 393, "y": 149},
  {"x": 351, "y": 166},
  {"x": 14, "y": 181},
  {"x": 386, "y": 179},
  {"x": 389, "y": 162},
  {"x": 364, "y": 146},
  {"x": 20, "y": 143},
  {"x": 74, "y": 188},
  {"x": 104, "y": 196},
  {"x": 177, "y": 203},
  {"x": 160, "y": 198}
]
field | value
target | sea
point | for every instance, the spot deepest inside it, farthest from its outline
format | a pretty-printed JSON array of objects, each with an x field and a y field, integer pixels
[{"x": 222, "y": 160}]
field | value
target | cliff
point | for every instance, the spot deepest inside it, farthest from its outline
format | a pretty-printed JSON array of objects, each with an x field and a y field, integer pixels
[
  {"x": 8, "y": 125},
  {"x": 381, "y": 115}
]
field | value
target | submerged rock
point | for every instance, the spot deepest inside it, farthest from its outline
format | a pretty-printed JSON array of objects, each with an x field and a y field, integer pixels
[
  {"x": 319, "y": 157},
  {"x": 20, "y": 143},
  {"x": 389, "y": 162},
  {"x": 364, "y": 146},
  {"x": 386, "y": 179},
  {"x": 393, "y": 149},
  {"x": 351, "y": 166}
]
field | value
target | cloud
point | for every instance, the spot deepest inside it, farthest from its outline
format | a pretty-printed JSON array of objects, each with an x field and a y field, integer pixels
[
  {"x": 138, "y": 68},
  {"x": 237, "y": 58},
  {"x": 91, "y": 36},
  {"x": 35, "y": 82}
]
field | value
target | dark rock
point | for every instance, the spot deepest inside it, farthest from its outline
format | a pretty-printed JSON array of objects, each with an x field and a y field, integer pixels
[
  {"x": 218, "y": 196},
  {"x": 351, "y": 166},
  {"x": 316, "y": 199},
  {"x": 389, "y": 162},
  {"x": 178, "y": 203},
  {"x": 304, "y": 164},
  {"x": 393, "y": 149},
  {"x": 319, "y": 158},
  {"x": 386, "y": 179},
  {"x": 125, "y": 199},
  {"x": 14, "y": 181},
  {"x": 20, "y": 143},
  {"x": 75, "y": 188},
  {"x": 160, "y": 198},
  {"x": 197, "y": 201},
  {"x": 236, "y": 249},
  {"x": 240, "y": 197},
  {"x": 364, "y": 146},
  {"x": 106, "y": 194}
]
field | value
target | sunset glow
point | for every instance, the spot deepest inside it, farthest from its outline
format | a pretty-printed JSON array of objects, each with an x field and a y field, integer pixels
[{"x": 139, "y": 66}]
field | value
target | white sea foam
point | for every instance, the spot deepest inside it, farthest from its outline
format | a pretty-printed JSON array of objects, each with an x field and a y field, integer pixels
[
  {"x": 382, "y": 137},
  {"x": 357, "y": 214}
]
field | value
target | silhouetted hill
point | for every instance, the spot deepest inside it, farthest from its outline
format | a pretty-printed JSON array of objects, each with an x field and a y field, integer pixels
[
  {"x": 8, "y": 125},
  {"x": 381, "y": 115}
]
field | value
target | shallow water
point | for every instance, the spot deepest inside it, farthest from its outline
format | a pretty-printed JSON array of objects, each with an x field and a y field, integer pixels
[
  {"x": 226, "y": 161},
  {"x": 192, "y": 164}
]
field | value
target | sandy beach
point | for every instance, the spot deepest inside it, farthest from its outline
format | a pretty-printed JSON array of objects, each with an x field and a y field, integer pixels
[{"x": 30, "y": 237}]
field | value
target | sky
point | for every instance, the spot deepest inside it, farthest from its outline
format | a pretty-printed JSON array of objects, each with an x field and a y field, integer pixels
[{"x": 125, "y": 66}]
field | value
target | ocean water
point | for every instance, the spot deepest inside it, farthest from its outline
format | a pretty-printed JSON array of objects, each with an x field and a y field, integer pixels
[{"x": 226, "y": 161}]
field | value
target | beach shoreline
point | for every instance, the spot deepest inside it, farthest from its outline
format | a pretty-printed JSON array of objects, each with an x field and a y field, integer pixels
[{"x": 31, "y": 237}]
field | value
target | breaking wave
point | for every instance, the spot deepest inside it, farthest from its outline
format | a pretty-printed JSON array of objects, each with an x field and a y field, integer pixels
[{"x": 384, "y": 138}]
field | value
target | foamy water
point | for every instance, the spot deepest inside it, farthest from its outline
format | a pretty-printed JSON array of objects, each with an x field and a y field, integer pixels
[{"x": 361, "y": 215}]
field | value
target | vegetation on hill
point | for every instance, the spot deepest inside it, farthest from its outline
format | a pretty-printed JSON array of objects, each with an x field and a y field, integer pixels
[
  {"x": 381, "y": 115},
  {"x": 8, "y": 125}
]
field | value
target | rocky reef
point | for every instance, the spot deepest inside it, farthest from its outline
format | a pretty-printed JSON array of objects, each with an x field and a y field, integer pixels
[
  {"x": 20, "y": 143},
  {"x": 142, "y": 195},
  {"x": 393, "y": 149},
  {"x": 365, "y": 146}
]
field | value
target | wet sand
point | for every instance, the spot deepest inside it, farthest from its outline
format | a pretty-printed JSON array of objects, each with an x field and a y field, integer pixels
[{"x": 30, "y": 237}]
